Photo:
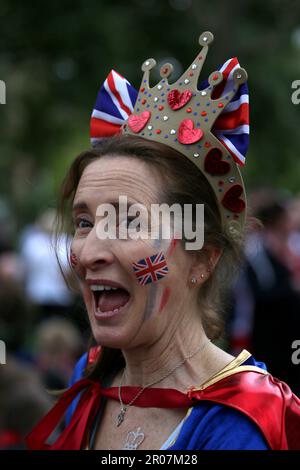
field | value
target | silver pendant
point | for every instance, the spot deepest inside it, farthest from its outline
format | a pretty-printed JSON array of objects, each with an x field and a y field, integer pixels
[
  {"x": 121, "y": 417},
  {"x": 134, "y": 439}
]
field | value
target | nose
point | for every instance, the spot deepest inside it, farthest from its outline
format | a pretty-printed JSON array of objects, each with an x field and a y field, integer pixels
[{"x": 95, "y": 253}]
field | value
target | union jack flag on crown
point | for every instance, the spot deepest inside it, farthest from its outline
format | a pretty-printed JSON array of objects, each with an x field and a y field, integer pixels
[{"x": 209, "y": 124}]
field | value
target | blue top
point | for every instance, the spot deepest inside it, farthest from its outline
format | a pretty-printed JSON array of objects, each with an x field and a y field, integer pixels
[{"x": 209, "y": 426}]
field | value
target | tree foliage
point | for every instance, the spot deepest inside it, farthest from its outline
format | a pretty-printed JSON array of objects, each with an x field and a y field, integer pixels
[{"x": 54, "y": 56}]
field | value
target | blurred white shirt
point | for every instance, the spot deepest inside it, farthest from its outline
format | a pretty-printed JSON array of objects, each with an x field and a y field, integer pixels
[{"x": 44, "y": 283}]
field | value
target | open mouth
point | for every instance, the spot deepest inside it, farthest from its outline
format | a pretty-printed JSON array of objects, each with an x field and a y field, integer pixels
[{"x": 109, "y": 299}]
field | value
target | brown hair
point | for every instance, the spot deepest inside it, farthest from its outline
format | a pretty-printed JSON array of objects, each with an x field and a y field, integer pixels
[{"x": 183, "y": 183}]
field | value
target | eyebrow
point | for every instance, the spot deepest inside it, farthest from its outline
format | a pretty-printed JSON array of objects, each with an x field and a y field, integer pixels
[{"x": 81, "y": 205}]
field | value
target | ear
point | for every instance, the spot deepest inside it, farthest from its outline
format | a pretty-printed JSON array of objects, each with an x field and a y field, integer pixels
[{"x": 204, "y": 262}]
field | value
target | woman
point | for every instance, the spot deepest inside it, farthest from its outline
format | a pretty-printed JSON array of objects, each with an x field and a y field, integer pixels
[{"x": 157, "y": 380}]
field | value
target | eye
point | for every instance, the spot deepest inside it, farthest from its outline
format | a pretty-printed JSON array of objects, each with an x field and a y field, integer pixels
[
  {"x": 126, "y": 222},
  {"x": 124, "y": 227},
  {"x": 129, "y": 220},
  {"x": 82, "y": 223}
]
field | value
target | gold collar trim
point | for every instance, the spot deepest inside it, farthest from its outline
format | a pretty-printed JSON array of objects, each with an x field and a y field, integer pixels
[{"x": 233, "y": 367}]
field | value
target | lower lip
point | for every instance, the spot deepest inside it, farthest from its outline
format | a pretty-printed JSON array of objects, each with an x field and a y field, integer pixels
[{"x": 111, "y": 313}]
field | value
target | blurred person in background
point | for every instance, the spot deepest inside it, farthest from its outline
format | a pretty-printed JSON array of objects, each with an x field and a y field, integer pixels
[
  {"x": 266, "y": 306},
  {"x": 44, "y": 284},
  {"x": 58, "y": 345},
  {"x": 16, "y": 319},
  {"x": 294, "y": 239},
  {"x": 16, "y": 311},
  {"x": 7, "y": 228},
  {"x": 23, "y": 401}
]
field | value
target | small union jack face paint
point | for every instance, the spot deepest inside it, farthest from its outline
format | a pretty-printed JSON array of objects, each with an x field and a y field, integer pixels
[{"x": 151, "y": 269}]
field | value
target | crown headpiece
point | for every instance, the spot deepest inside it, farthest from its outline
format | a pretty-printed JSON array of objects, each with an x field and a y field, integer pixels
[{"x": 207, "y": 124}]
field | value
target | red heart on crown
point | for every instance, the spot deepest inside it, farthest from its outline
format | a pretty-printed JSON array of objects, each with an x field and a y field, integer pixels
[
  {"x": 177, "y": 100},
  {"x": 187, "y": 133},
  {"x": 214, "y": 165},
  {"x": 232, "y": 201},
  {"x": 138, "y": 122}
]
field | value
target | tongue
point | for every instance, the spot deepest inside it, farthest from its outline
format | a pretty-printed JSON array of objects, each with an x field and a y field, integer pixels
[{"x": 110, "y": 300}]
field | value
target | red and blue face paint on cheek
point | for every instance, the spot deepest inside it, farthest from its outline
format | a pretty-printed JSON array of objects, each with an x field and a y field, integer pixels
[
  {"x": 151, "y": 269},
  {"x": 73, "y": 260},
  {"x": 164, "y": 298},
  {"x": 172, "y": 246}
]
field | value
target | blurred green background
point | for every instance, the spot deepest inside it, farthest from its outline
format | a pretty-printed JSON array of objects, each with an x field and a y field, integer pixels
[{"x": 55, "y": 55}]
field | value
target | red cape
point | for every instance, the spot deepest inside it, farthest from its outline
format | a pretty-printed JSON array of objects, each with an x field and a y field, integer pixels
[{"x": 265, "y": 400}]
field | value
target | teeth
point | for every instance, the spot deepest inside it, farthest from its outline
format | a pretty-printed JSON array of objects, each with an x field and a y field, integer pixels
[{"x": 100, "y": 288}]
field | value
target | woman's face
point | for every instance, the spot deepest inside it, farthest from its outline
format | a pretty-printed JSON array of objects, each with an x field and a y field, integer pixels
[{"x": 138, "y": 312}]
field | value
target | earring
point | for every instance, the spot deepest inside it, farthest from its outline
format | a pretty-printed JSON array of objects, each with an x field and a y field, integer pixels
[
  {"x": 202, "y": 276},
  {"x": 193, "y": 280}
]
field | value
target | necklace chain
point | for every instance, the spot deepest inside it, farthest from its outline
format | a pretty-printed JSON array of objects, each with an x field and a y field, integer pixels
[{"x": 125, "y": 407}]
